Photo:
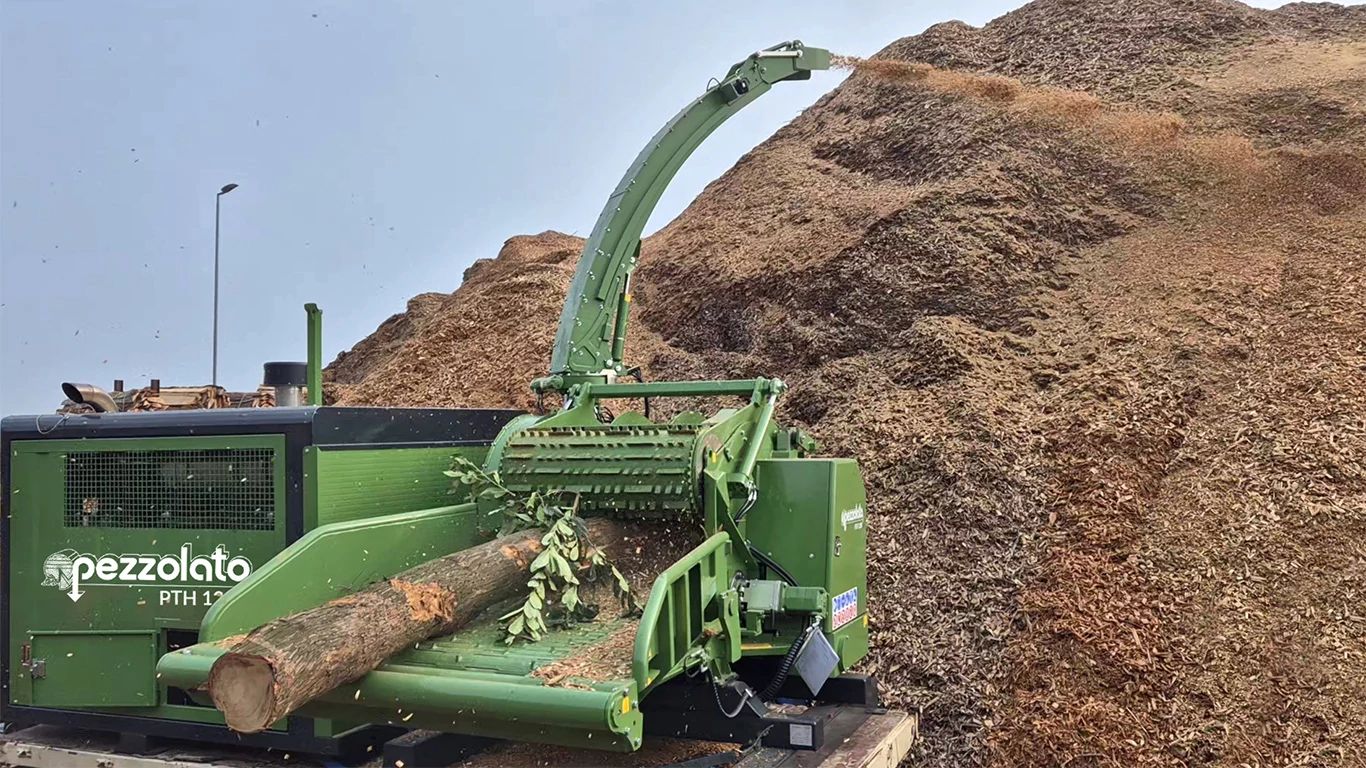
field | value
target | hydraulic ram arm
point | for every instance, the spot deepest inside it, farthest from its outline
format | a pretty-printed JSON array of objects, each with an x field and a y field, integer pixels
[{"x": 592, "y": 334}]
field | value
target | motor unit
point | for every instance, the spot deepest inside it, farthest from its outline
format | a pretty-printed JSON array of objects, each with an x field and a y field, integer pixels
[{"x": 121, "y": 529}]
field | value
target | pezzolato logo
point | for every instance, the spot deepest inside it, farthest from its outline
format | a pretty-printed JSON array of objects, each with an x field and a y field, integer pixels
[
  {"x": 69, "y": 571},
  {"x": 852, "y": 516}
]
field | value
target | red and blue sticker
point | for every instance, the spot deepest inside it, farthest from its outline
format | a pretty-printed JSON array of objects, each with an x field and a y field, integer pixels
[{"x": 843, "y": 608}]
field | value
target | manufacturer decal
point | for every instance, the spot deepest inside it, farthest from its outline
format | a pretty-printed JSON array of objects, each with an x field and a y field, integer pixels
[
  {"x": 843, "y": 608},
  {"x": 184, "y": 577},
  {"x": 852, "y": 516}
]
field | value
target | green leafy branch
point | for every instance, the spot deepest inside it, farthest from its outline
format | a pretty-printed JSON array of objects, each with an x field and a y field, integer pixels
[{"x": 567, "y": 557}]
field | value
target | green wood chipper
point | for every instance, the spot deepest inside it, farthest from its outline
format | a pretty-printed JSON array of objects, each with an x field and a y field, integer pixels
[{"x": 770, "y": 606}]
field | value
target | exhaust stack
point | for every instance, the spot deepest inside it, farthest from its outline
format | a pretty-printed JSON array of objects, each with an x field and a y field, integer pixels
[
  {"x": 288, "y": 380},
  {"x": 91, "y": 395}
]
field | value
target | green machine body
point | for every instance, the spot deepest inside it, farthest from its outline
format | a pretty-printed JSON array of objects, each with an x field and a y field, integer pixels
[{"x": 120, "y": 530}]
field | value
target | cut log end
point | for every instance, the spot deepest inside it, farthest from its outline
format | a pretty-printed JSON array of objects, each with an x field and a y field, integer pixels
[{"x": 243, "y": 689}]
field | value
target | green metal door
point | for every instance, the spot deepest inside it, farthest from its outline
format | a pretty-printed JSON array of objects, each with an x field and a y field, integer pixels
[
  {"x": 84, "y": 668},
  {"x": 118, "y": 546}
]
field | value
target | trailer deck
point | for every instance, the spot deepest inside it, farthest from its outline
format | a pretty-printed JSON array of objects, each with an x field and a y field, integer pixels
[{"x": 877, "y": 741}]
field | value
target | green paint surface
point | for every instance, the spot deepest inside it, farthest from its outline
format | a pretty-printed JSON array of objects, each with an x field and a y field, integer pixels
[
  {"x": 353, "y": 484},
  {"x": 119, "y": 667},
  {"x": 812, "y": 519},
  {"x": 95, "y": 647}
]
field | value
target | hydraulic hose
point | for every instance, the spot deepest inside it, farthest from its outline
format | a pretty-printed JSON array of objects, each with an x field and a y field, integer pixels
[
  {"x": 785, "y": 666},
  {"x": 772, "y": 565}
]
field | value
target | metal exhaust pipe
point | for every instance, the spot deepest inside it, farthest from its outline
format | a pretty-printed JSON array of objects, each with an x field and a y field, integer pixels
[
  {"x": 91, "y": 395},
  {"x": 288, "y": 380}
]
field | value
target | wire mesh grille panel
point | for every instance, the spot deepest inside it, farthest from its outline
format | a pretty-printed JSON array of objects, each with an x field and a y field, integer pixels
[{"x": 217, "y": 488}]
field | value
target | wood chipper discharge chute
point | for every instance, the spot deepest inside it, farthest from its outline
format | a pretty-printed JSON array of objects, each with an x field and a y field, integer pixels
[{"x": 769, "y": 604}]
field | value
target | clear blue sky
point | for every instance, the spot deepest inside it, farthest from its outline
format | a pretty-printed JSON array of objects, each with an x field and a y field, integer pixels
[{"x": 381, "y": 147}]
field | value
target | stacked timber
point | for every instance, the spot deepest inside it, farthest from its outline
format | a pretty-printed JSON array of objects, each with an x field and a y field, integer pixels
[{"x": 181, "y": 399}]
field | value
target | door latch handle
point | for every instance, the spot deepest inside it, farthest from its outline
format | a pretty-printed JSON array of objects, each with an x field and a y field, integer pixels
[{"x": 37, "y": 668}]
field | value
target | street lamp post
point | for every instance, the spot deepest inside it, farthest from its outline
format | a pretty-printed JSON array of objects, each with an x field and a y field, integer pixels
[{"x": 217, "y": 200}]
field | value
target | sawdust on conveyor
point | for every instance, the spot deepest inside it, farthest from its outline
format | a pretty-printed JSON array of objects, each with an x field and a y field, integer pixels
[
  {"x": 604, "y": 661},
  {"x": 1088, "y": 306}
]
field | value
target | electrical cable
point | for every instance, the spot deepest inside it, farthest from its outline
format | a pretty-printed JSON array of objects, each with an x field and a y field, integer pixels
[
  {"x": 785, "y": 666},
  {"x": 748, "y": 693},
  {"x": 38, "y": 424},
  {"x": 744, "y": 698}
]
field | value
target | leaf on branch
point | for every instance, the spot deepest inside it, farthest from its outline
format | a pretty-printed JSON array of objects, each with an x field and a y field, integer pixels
[
  {"x": 552, "y": 597},
  {"x": 542, "y": 559},
  {"x": 558, "y": 564}
]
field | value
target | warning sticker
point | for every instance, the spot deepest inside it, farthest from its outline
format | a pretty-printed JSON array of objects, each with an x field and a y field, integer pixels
[{"x": 843, "y": 608}]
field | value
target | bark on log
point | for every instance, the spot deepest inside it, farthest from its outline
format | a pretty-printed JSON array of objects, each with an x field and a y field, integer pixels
[{"x": 280, "y": 666}]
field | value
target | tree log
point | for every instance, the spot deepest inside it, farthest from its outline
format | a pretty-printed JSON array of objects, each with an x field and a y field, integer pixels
[{"x": 282, "y": 665}]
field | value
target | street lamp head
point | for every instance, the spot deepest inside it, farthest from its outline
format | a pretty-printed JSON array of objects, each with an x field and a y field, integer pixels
[{"x": 227, "y": 188}]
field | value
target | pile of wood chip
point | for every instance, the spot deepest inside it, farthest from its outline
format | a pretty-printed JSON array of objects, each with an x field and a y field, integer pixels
[{"x": 1089, "y": 306}]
